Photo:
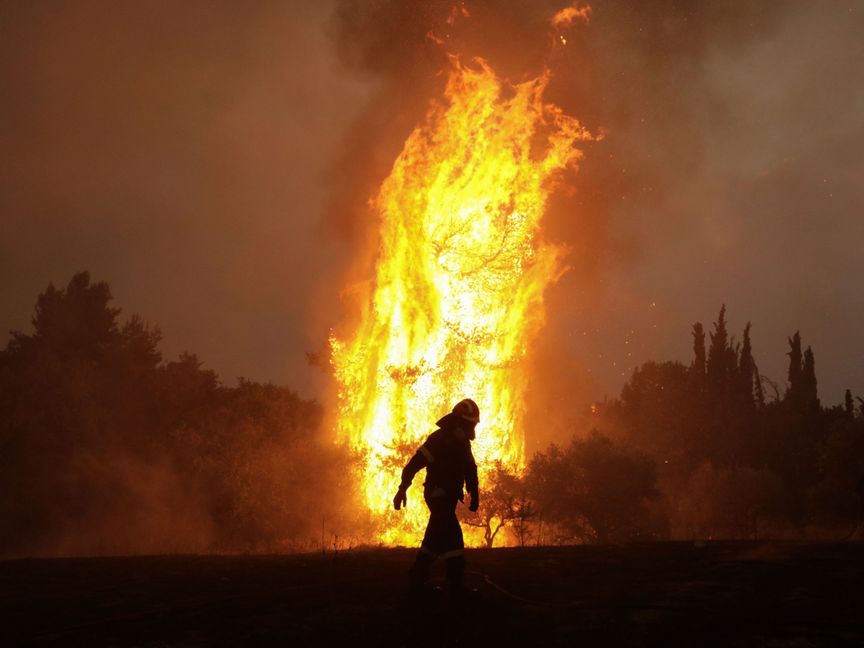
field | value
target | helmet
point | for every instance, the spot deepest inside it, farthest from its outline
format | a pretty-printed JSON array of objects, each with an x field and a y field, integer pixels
[{"x": 468, "y": 410}]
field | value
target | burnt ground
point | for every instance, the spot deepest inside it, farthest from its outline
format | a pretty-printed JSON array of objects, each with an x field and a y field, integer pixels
[{"x": 667, "y": 594}]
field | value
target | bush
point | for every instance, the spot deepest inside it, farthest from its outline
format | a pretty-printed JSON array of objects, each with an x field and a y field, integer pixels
[{"x": 595, "y": 489}]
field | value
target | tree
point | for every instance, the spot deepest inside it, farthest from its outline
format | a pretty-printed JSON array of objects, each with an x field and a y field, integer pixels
[
  {"x": 809, "y": 389},
  {"x": 698, "y": 366},
  {"x": 79, "y": 388},
  {"x": 798, "y": 427},
  {"x": 659, "y": 411},
  {"x": 795, "y": 372},
  {"x": 718, "y": 366},
  {"x": 834, "y": 500},
  {"x": 758, "y": 388},
  {"x": 77, "y": 321},
  {"x": 266, "y": 468},
  {"x": 727, "y": 503},
  {"x": 747, "y": 374},
  {"x": 106, "y": 449},
  {"x": 594, "y": 489},
  {"x": 503, "y": 503}
]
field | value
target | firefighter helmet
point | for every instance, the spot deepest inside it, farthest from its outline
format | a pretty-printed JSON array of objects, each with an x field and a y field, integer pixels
[{"x": 468, "y": 410}]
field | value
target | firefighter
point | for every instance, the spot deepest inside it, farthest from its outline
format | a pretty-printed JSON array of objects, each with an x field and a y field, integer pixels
[{"x": 449, "y": 464}]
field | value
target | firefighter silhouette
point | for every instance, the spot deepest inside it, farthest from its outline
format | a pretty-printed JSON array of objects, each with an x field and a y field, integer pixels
[{"x": 449, "y": 464}]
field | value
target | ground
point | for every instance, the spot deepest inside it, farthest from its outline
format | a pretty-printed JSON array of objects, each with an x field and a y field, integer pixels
[{"x": 664, "y": 594}]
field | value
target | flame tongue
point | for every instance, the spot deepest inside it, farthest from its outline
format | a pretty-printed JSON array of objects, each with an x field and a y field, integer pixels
[{"x": 459, "y": 283}]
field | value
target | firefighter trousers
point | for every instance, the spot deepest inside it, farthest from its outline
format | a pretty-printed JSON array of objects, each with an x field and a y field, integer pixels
[{"x": 443, "y": 538}]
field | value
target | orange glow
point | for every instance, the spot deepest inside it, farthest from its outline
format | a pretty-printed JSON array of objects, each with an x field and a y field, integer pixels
[
  {"x": 458, "y": 288},
  {"x": 458, "y": 11},
  {"x": 567, "y": 16}
]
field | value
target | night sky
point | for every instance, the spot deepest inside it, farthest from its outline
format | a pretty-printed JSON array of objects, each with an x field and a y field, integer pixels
[{"x": 213, "y": 161}]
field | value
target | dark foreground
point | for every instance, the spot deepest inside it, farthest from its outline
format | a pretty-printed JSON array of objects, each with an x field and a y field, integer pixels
[{"x": 670, "y": 594}]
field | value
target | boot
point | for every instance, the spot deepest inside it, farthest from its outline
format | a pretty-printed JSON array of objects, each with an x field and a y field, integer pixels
[{"x": 419, "y": 573}]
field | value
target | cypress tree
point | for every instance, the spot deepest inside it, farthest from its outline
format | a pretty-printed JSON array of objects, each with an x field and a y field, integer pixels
[
  {"x": 793, "y": 393},
  {"x": 698, "y": 366},
  {"x": 746, "y": 369},
  {"x": 718, "y": 353},
  {"x": 759, "y": 391},
  {"x": 809, "y": 388}
]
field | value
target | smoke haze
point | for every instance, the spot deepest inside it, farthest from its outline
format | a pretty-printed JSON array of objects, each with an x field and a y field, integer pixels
[
  {"x": 178, "y": 152},
  {"x": 214, "y": 161}
]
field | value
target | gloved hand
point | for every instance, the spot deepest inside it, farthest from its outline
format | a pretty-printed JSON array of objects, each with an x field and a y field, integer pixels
[
  {"x": 475, "y": 503},
  {"x": 400, "y": 500}
]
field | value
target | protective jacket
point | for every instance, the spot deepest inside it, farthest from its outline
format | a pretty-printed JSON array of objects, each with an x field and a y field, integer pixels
[{"x": 446, "y": 455}]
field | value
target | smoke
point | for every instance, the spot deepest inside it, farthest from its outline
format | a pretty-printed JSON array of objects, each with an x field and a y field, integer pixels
[
  {"x": 178, "y": 152},
  {"x": 213, "y": 161},
  {"x": 124, "y": 504},
  {"x": 719, "y": 118}
]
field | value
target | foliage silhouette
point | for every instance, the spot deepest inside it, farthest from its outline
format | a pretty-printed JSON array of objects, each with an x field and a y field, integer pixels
[{"x": 106, "y": 447}]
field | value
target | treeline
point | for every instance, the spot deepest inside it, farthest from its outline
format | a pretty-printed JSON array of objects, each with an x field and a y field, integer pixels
[
  {"x": 707, "y": 450},
  {"x": 107, "y": 448}
]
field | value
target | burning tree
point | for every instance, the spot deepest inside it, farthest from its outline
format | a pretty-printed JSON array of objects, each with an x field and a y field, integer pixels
[
  {"x": 459, "y": 281},
  {"x": 458, "y": 287}
]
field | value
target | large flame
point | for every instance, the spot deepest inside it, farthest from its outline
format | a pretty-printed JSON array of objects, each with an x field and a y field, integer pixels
[{"x": 459, "y": 281}]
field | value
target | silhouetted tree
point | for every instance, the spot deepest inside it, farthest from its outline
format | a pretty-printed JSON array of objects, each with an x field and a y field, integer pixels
[
  {"x": 758, "y": 389},
  {"x": 718, "y": 355},
  {"x": 775, "y": 447},
  {"x": 728, "y": 503},
  {"x": 809, "y": 390},
  {"x": 833, "y": 500},
  {"x": 595, "y": 489},
  {"x": 105, "y": 448},
  {"x": 660, "y": 413},
  {"x": 728, "y": 415},
  {"x": 698, "y": 366},
  {"x": 265, "y": 467},
  {"x": 795, "y": 369},
  {"x": 747, "y": 372},
  {"x": 504, "y": 503},
  {"x": 81, "y": 394}
]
